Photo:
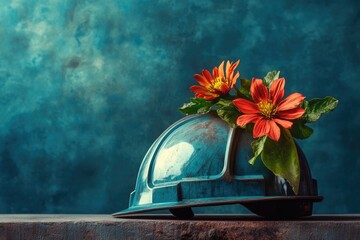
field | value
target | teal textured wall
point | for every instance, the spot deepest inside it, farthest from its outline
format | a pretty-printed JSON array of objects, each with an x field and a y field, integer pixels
[{"x": 87, "y": 86}]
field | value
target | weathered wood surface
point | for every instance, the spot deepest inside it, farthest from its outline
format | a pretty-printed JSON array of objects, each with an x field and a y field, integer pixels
[{"x": 58, "y": 227}]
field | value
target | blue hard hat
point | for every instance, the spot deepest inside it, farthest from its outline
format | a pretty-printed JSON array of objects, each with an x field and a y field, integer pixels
[{"x": 201, "y": 161}]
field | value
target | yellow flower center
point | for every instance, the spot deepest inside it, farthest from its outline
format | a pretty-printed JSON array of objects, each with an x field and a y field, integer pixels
[
  {"x": 217, "y": 83},
  {"x": 267, "y": 109}
]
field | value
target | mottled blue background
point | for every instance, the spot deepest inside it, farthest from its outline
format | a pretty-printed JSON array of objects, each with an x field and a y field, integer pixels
[{"x": 87, "y": 86}]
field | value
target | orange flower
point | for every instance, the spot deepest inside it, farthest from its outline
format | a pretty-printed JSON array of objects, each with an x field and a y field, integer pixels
[
  {"x": 268, "y": 110},
  {"x": 220, "y": 83}
]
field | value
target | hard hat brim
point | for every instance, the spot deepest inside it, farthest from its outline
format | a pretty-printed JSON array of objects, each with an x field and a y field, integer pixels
[{"x": 252, "y": 203}]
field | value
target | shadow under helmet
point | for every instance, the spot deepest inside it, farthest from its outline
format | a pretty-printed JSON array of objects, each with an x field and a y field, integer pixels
[{"x": 201, "y": 161}]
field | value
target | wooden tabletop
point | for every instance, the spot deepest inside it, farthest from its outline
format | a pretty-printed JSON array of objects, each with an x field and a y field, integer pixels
[{"x": 64, "y": 226}]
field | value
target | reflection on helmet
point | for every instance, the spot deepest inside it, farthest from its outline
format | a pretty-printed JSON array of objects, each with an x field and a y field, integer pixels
[{"x": 201, "y": 161}]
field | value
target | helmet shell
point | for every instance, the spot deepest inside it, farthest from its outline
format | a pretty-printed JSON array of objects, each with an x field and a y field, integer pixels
[{"x": 201, "y": 161}]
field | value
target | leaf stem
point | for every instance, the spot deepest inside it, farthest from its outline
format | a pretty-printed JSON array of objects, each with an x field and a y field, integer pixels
[{"x": 238, "y": 93}]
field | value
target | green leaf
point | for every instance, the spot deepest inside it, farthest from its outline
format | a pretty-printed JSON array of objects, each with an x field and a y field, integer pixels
[
  {"x": 257, "y": 147},
  {"x": 224, "y": 102},
  {"x": 318, "y": 106},
  {"x": 282, "y": 158},
  {"x": 229, "y": 114},
  {"x": 245, "y": 87},
  {"x": 300, "y": 130},
  {"x": 197, "y": 105},
  {"x": 270, "y": 77}
]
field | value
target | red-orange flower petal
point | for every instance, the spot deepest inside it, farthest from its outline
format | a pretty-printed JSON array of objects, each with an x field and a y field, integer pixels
[
  {"x": 261, "y": 128},
  {"x": 225, "y": 88},
  {"x": 221, "y": 69},
  {"x": 206, "y": 97},
  {"x": 227, "y": 70},
  {"x": 258, "y": 90},
  {"x": 246, "y": 106},
  {"x": 292, "y": 101},
  {"x": 247, "y": 118},
  {"x": 291, "y": 114},
  {"x": 198, "y": 89},
  {"x": 230, "y": 68},
  {"x": 202, "y": 92},
  {"x": 277, "y": 90},
  {"x": 215, "y": 72},
  {"x": 207, "y": 74},
  {"x": 233, "y": 82},
  {"x": 201, "y": 80},
  {"x": 284, "y": 123},
  {"x": 274, "y": 132}
]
